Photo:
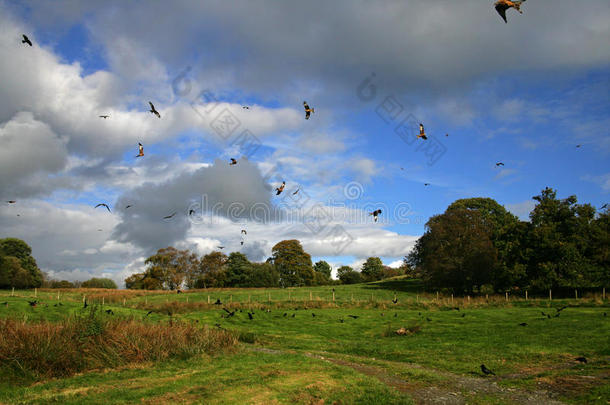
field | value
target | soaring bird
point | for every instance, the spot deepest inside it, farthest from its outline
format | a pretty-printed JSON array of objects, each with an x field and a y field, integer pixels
[
  {"x": 298, "y": 189},
  {"x": 103, "y": 205},
  {"x": 375, "y": 214},
  {"x": 280, "y": 188},
  {"x": 191, "y": 212},
  {"x": 128, "y": 206},
  {"x": 220, "y": 247},
  {"x": 603, "y": 207},
  {"x": 486, "y": 371},
  {"x": 426, "y": 184},
  {"x": 170, "y": 216},
  {"x": 308, "y": 110},
  {"x": 26, "y": 40},
  {"x": 233, "y": 162},
  {"x": 244, "y": 232},
  {"x": 499, "y": 164},
  {"x": 422, "y": 133},
  {"x": 245, "y": 107},
  {"x": 11, "y": 201},
  {"x": 579, "y": 145},
  {"x": 153, "y": 110},
  {"x": 503, "y": 5},
  {"x": 141, "y": 150}
]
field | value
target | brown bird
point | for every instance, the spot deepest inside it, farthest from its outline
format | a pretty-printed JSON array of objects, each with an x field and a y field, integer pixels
[
  {"x": 233, "y": 162},
  {"x": 280, "y": 188},
  {"x": 153, "y": 110},
  {"x": 503, "y": 5},
  {"x": 375, "y": 214},
  {"x": 104, "y": 116},
  {"x": 103, "y": 205},
  {"x": 295, "y": 193},
  {"x": 244, "y": 232},
  {"x": 422, "y": 133},
  {"x": 26, "y": 40},
  {"x": 308, "y": 110},
  {"x": 169, "y": 216},
  {"x": 141, "y": 150}
]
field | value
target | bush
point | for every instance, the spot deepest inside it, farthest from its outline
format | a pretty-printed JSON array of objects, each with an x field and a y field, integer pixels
[{"x": 99, "y": 283}]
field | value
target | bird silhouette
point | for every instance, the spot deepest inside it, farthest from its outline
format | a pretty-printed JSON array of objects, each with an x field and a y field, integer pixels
[
  {"x": 308, "y": 110},
  {"x": 191, "y": 212},
  {"x": 104, "y": 116},
  {"x": 218, "y": 302},
  {"x": 33, "y": 303},
  {"x": 103, "y": 205},
  {"x": 140, "y": 150},
  {"x": 395, "y": 300},
  {"x": 375, "y": 214},
  {"x": 428, "y": 319},
  {"x": 280, "y": 188},
  {"x": 110, "y": 312},
  {"x": 499, "y": 164},
  {"x": 422, "y": 133},
  {"x": 579, "y": 145},
  {"x": 233, "y": 162},
  {"x": 426, "y": 184},
  {"x": 26, "y": 40},
  {"x": 604, "y": 206},
  {"x": 486, "y": 371},
  {"x": 169, "y": 216},
  {"x": 581, "y": 360},
  {"x": 245, "y": 107},
  {"x": 85, "y": 305},
  {"x": 250, "y": 316},
  {"x": 295, "y": 193},
  {"x": 244, "y": 232},
  {"x": 463, "y": 315},
  {"x": 523, "y": 324},
  {"x": 293, "y": 315},
  {"x": 353, "y": 316},
  {"x": 220, "y": 247},
  {"x": 149, "y": 312},
  {"x": 153, "y": 110},
  {"x": 503, "y": 5},
  {"x": 128, "y": 206},
  {"x": 11, "y": 201}
]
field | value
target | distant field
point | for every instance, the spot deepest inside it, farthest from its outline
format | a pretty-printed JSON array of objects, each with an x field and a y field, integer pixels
[{"x": 303, "y": 347}]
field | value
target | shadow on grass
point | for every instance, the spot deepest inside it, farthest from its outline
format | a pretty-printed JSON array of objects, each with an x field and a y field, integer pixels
[{"x": 397, "y": 284}]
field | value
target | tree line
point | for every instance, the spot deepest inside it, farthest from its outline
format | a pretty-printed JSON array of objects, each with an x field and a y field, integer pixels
[
  {"x": 289, "y": 266},
  {"x": 478, "y": 246}
]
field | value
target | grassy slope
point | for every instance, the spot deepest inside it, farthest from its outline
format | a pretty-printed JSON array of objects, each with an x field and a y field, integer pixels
[{"x": 539, "y": 355}]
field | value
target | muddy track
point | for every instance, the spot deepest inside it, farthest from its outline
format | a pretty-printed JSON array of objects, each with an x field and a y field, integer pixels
[{"x": 457, "y": 389}]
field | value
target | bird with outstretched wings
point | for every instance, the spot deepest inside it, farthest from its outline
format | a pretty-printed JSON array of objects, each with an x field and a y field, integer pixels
[
  {"x": 375, "y": 214},
  {"x": 233, "y": 162},
  {"x": 140, "y": 150},
  {"x": 170, "y": 216},
  {"x": 280, "y": 188},
  {"x": 308, "y": 110},
  {"x": 103, "y": 205},
  {"x": 153, "y": 110},
  {"x": 503, "y": 5},
  {"x": 26, "y": 40},
  {"x": 422, "y": 133}
]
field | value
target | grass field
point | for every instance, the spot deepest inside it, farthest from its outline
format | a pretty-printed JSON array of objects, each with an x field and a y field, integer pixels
[{"x": 303, "y": 347}]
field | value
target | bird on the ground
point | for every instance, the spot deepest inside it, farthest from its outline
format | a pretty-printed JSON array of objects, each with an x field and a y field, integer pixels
[
  {"x": 375, "y": 214},
  {"x": 153, "y": 110},
  {"x": 499, "y": 164},
  {"x": 149, "y": 312},
  {"x": 11, "y": 201},
  {"x": 395, "y": 300},
  {"x": 341, "y": 320},
  {"x": 169, "y": 216},
  {"x": 285, "y": 314},
  {"x": 605, "y": 314},
  {"x": 353, "y": 316},
  {"x": 26, "y": 40},
  {"x": 523, "y": 324},
  {"x": 280, "y": 188},
  {"x": 104, "y": 116},
  {"x": 103, "y": 205},
  {"x": 110, "y": 312},
  {"x": 85, "y": 305},
  {"x": 33, "y": 303},
  {"x": 178, "y": 291},
  {"x": 218, "y": 326},
  {"x": 486, "y": 371},
  {"x": 220, "y": 247},
  {"x": 382, "y": 314},
  {"x": 140, "y": 150},
  {"x": 503, "y": 5},
  {"x": 422, "y": 133},
  {"x": 428, "y": 319},
  {"x": 229, "y": 312},
  {"x": 313, "y": 315},
  {"x": 218, "y": 302},
  {"x": 395, "y": 315},
  {"x": 561, "y": 309},
  {"x": 308, "y": 110},
  {"x": 543, "y": 314},
  {"x": 233, "y": 162},
  {"x": 463, "y": 315},
  {"x": 293, "y": 315},
  {"x": 581, "y": 360},
  {"x": 250, "y": 316}
]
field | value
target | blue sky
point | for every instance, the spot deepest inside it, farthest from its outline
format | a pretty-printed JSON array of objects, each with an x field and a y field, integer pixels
[{"x": 523, "y": 93}]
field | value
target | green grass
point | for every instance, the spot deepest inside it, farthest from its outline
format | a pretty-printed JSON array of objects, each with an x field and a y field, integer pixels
[{"x": 538, "y": 356}]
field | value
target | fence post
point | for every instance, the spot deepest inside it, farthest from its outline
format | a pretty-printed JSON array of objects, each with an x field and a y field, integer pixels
[
  {"x": 145, "y": 300},
  {"x": 437, "y": 295},
  {"x": 208, "y": 299},
  {"x": 310, "y": 298},
  {"x": 451, "y": 299},
  {"x": 35, "y": 292},
  {"x": 269, "y": 297},
  {"x": 187, "y": 299},
  {"x": 13, "y": 292},
  {"x": 352, "y": 297},
  {"x": 469, "y": 299},
  {"x": 248, "y": 298},
  {"x": 289, "y": 295},
  {"x": 526, "y": 295},
  {"x": 487, "y": 296},
  {"x": 417, "y": 298},
  {"x": 603, "y": 293},
  {"x": 57, "y": 295},
  {"x": 123, "y": 301},
  {"x": 576, "y": 294},
  {"x": 550, "y": 295},
  {"x": 333, "y": 296},
  {"x": 102, "y": 301},
  {"x": 506, "y": 296},
  {"x": 230, "y": 298}
]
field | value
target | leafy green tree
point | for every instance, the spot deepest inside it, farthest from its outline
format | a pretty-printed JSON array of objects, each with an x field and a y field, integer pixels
[
  {"x": 292, "y": 263},
  {"x": 238, "y": 270},
  {"x": 264, "y": 275},
  {"x": 347, "y": 275},
  {"x": 212, "y": 270},
  {"x": 61, "y": 284},
  {"x": 322, "y": 273},
  {"x": 99, "y": 283},
  {"x": 372, "y": 269},
  {"x": 25, "y": 273}
]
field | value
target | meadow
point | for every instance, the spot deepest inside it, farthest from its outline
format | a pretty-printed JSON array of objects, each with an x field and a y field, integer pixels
[{"x": 330, "y": 344}]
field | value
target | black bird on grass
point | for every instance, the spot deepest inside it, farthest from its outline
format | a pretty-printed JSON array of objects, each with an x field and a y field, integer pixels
[
  {"x": 85, "y": 305},
  {"x": 313, "y": 315},
  {"x": 428, "y": 319},
  {"x": 5, "y": 303},
  {"x": 523, "y": 324},
  {"x": 218, "y": 326},
  {"x": 33, "y": 303},
  {"x": 229, "y": 312},
  {"x": 341, "y": 320},
  {"x": 285, "y": 314},
  {"x": 250, "y": 316},
  {"x": 353, "y": 316},
  {"x": 395, "y": 315},
  {"x": 486, "y": 371},
  {"x": 110, "y": 312},
  {"x": 218, "y": 302},
  {"x": 562, "y": 308},
  {"x": 293, "y": 315},
  {"x": 581, "y": 360},
  {"x": 395, "y": 300},
  {"x": 543, "y": 314},
  {"x": 26, "y": 40},
  {"x": 149, "y": 312}
]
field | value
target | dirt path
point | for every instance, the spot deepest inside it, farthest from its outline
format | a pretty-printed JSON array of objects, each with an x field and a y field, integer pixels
[{"x": 453, "y": 392}]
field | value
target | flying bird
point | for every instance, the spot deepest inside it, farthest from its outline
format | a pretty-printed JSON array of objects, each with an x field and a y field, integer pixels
[
  {"x": 140, "y": 150},
  {"x": 233, "y": 162},
  {"x": 129, "y": 206},
  {"x": 308, "y": 110},
  {"x": 169, "y": 216},
  {"x": 13, "y": 202},
  {"x": 191, "y": 212},
  {"x": 375, "y": 214},
  {"x": 103, "y": 205},
  {"x": 579, "y": 145},
  {"x": 486, "y": 371},
  {"x": 499, "y": 164},
  {"x": 426, "y": 184},
  {"x": 26, "y": 40},
  {"x": 104, "y": 116},
  {"x": 220, "y": 247},
  {"x": 244, "y": 232},
  {"x": 422, "y": 133},
  {"x": 604, "y": 206},
  {"x": 280, "y": 188},
  {"x": 298, "y": 189},
  {"x": 245, "y": 107},
  {"x": 153, "y": 110},
  {"x": 503, "y": 5}
]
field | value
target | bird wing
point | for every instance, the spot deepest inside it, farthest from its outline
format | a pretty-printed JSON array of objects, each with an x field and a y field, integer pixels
[
  {"x": 307, "y": 114},
  {"x": 152, "y": 107},
  {"x": 501, "y": 9}
]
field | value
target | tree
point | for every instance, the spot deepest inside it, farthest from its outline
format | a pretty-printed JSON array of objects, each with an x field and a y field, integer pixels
[
  {"x": 264, "y": 275},
  {"x": 22, "y": 273},
  {"x": 211, "y": 270},
  {"x": 99, "y": 283},
  {"x": 292, "y": 263},
  {"x": 322, "y": 273},
  {"x": 166, "y": 269},
  {"x": 238, "y": 270},
  {"x": 372, "y": 269},
  {"x": 347, "y": 275}
]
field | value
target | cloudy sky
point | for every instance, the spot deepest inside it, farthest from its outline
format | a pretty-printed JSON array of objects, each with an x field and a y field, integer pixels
[{"x": 523, "y": 93}]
